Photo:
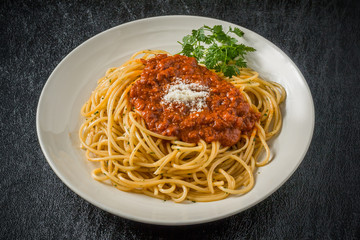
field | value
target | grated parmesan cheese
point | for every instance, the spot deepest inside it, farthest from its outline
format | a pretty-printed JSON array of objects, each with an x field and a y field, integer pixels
[{"x": 192, "y": 95}]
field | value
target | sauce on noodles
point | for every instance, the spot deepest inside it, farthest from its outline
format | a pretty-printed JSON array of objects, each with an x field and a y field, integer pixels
[{"x": 178, "y": 97}]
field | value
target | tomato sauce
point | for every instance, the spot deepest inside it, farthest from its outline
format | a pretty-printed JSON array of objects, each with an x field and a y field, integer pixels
[{"x": 225, "y": 116}]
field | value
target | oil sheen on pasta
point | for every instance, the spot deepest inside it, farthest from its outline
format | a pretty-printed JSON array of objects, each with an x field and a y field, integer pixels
[{"x": 224, "y": 116}]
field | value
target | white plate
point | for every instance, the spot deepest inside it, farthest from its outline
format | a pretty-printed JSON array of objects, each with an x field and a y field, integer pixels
[{"x": 69, "y": 86}]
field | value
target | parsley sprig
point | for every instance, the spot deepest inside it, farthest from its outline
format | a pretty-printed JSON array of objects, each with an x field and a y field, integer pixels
[{"x": 216, "y": 49}]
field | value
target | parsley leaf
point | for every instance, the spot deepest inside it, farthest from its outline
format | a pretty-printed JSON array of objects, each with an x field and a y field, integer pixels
[
  {"x": 217, "y": 49},
  {"x": 237, "y": 31}
]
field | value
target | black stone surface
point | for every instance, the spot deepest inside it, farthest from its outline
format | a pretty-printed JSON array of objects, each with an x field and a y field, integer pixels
[{"x": 320, "y": 201}]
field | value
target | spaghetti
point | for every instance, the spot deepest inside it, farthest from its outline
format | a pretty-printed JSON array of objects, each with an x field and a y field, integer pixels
[{"x": 133, "y": 158}]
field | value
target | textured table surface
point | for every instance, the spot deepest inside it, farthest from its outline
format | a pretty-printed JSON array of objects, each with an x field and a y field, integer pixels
[{"x": 320, "y": 200}]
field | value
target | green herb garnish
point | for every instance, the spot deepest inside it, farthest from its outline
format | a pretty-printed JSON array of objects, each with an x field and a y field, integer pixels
[{"x": 217, "y": 49}]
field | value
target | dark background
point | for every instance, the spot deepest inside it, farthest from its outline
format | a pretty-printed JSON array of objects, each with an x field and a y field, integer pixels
[{"x": 320, "y": 201}]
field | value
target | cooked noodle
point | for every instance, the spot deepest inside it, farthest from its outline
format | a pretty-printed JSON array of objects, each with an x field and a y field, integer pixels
[{"x": 138, "y": 160}]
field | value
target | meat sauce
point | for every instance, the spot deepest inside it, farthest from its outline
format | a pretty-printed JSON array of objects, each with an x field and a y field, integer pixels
[{"x": 225, "y": 116}]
